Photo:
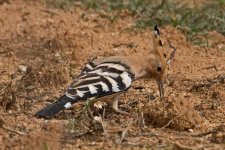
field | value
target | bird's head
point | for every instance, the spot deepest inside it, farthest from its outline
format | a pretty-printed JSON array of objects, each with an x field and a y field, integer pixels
[{"x": 157, "y": 61}]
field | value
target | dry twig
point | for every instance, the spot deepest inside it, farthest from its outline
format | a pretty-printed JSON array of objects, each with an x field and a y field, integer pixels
[
  {"x": 171, "y": 121},
  {"x": 125, "y": 131},
  {"x": 209, "y": 67},
  {"x": 2, "y": 125},
  {"x": 14, "y": 131},
  {"x": 49, "y": 11},
  {"x": 210, "y": 82}
]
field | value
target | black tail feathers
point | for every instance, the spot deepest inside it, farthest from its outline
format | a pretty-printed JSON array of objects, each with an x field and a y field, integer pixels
[{"x": 49, "y": 111}]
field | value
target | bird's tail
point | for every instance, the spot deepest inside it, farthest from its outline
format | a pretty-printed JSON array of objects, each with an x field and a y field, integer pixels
[{"x": 49, "y": 111}]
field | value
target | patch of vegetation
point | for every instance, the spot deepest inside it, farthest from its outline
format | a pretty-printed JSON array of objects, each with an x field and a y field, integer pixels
[
  {"x": 191, "y": 20},
  {"x": 62, "y": 4}
]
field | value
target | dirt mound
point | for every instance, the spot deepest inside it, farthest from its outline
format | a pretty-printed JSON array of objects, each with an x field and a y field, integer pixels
[
  {"x": 29, "y": 83},
  {"x": 46, "y": 76},
  {"x": 35, "y": 140},
  {"x": 175, "y": 113}
]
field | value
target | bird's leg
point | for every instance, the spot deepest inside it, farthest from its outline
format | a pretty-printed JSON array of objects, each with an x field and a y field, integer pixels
[{"x": 115, "y": 106}]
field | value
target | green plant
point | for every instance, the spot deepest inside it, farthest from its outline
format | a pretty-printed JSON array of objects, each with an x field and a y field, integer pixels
[
  {"x": 62, "y": 4},
  {"x": 191, "y": 20}
]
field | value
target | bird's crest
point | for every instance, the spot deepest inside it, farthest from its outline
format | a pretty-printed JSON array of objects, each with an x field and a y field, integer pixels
[{"x": 158, "y": 42}]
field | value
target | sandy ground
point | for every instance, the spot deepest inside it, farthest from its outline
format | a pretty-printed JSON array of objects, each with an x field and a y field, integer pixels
[{"x": 41, "y": 52}]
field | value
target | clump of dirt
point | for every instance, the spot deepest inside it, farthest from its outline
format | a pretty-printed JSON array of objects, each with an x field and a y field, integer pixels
[
  {"x": 217, "y": 134},
  {"x": 46, "y": 76},
  {"x": 8, "y": 96},
  {"x": 51, "y": 134},
  {"x": 175, "y": 113},
  {"x": 30, "y": 82}
]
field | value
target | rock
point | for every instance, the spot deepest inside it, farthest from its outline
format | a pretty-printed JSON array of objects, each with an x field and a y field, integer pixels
[
  {"x": 30, "y": 87},
  {"x": 190, "y": 130},
  {"x": 22, "y": 68},
  {"x": 151, "y": 97}
]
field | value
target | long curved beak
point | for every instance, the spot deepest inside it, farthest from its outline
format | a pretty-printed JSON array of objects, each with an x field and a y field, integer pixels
[{"x": 160, "y": 86}]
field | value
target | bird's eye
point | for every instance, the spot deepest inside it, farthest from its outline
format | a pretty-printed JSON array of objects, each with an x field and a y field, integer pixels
[{"x": 159, "y": 68}]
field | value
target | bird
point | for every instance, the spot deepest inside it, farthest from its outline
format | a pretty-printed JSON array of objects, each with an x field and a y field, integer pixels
[{"x": 109, "y": 77}]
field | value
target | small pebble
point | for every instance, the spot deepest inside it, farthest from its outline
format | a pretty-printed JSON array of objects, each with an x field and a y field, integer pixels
[
  {"x": 151, "y": 97},
  {"x": 57, "y": 55},
  {"x": 98, "y": 105},
  {"x": 98, "y": 119},
  {"x": 190, "y": 130},
  {"x": 219, "y": 135},
  {"x": 22, "y": 68},
  {"x": 30, "y": 87}
]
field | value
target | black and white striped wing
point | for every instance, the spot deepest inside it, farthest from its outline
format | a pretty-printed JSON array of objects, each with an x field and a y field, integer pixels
[
  {"x": 95, "y": 81},
  {"x": 104, "y": 79},
  {"x": 88, "y": 67}
]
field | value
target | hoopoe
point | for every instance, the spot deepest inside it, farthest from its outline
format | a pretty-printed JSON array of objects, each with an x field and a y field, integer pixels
[{"x": 107, "y": 78}]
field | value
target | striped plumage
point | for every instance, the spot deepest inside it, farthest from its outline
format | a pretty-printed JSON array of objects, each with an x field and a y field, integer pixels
[
  {"x": 111, "y": 76},
  {"x": 101, "y": 80}
]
